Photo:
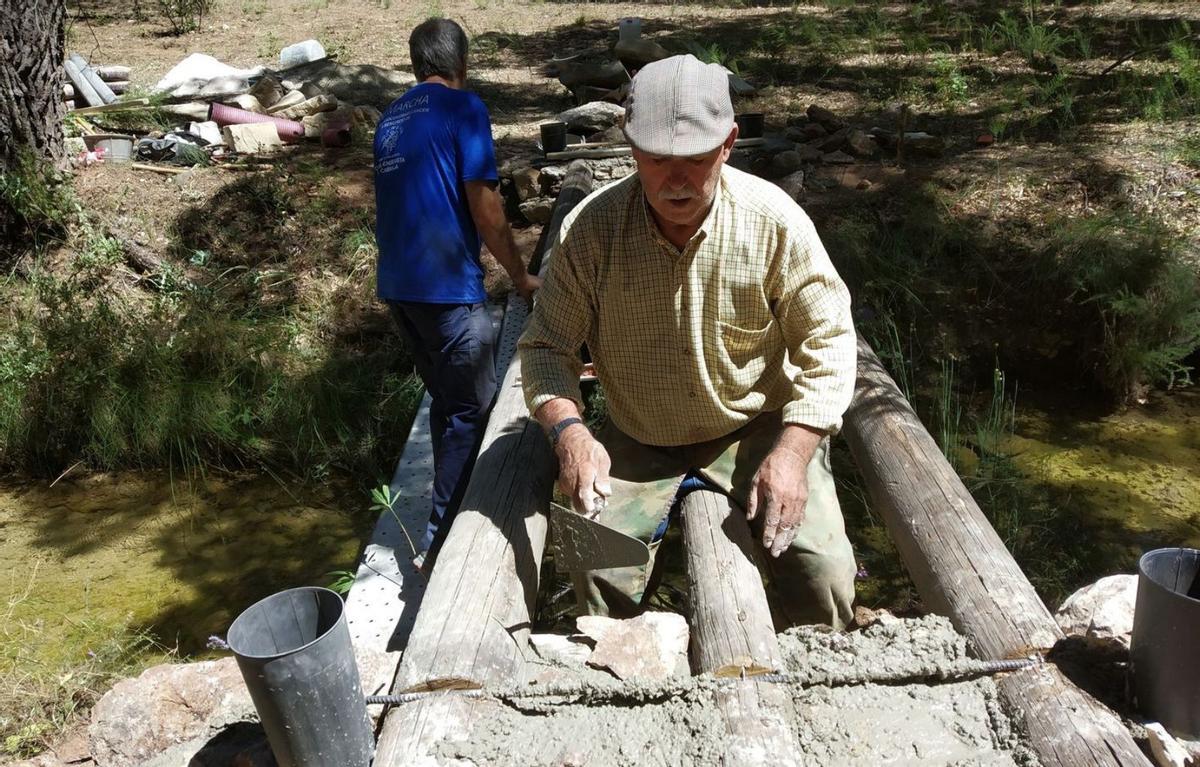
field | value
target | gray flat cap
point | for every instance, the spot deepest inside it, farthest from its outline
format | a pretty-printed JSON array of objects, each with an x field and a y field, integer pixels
[{"x": 679, "y": 106}]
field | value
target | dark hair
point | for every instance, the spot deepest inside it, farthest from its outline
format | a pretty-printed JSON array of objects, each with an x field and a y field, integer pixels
[{"x": 438, "y": 47}]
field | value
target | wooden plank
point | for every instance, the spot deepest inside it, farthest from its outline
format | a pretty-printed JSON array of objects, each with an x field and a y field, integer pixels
[
  {"x": 132, "y": 105},
  {"x": 732, "y": 633},
  {"x": 475, "y": 616},
  {"x": 387, "y": 590},
  {"x": 606, "y": 150},
  {"x": 962, "y": 570}
]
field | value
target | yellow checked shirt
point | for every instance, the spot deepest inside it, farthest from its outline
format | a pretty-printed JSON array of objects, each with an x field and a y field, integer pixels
[{"x": 690, "y": 345}]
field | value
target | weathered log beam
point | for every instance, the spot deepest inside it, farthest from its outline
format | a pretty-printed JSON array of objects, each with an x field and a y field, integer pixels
[
  {"x": 475, "y": 616},
  {"x": 962, "y": 570},
  {"x": 732, "y": 633}
]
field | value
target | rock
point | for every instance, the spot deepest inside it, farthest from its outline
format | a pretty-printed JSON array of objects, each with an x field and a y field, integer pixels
[
  {"x": 249, "y": 103},
  {"x": 252, "y": 138},
  {"x": 863, "y": 186},
  {"x": 527, "y": 182},
  {"x": 315, "y": 125},
  {"x": 592, "y": 117},
  {"x": 786, "y": 163},
  {"x": 1102, "y": 613},
  {"x": 773, "y": 144},
  {"x": 838, "y": 158},
  {"x": 795, "y": 133},
  {"x": 834, "y": 141},
  {"x": 740, "y": 159},
  {"x": 173, "y": 708},
  {"x": 1168, "y": 751},
  {"x": 814, "y": 131},
  {"x": 553, "y": 174},
  {"x": 563, "y": 650},
  {"x": 861, "y": 145},
  {"x": 919, "y": 142},
  {"x": 611, "y": 135},
  {"x": 648, "y": 646},
  {"x": 268, "y": 90},
  {"x": 827, "y": 119},
  {"x": 809, "y": 153},
  {"x": 290, "y": 99},
  {"x": 538, "y": 211},
  {"x": 322, "y": 103},
  {"x": 793, "y": 184}
]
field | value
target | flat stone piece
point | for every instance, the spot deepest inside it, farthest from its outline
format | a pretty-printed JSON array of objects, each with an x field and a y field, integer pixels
[
  {"x": 645, "y": 647},
  {"x": 592, "y": 117}
]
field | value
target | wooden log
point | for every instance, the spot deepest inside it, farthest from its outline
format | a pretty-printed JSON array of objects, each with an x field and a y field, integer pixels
[
  {"x": 731, "y": 629},
  {"x": 106, "y": 94},
  {"x": 475, "y": 616},
  {"x": 732, "y": 632},
  {"x": 962, "y": 569},
  {"x": 112, "y": 73}
]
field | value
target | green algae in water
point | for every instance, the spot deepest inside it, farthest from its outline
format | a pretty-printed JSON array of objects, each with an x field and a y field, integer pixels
[
  {"x": 132, "y": 554},
  {"x": 1131, "y": 481}
]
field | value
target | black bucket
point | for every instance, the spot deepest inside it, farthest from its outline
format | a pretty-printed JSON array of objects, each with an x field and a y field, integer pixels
[
  {"x": 554, "y": 137},
  {"x": 750, "y": 124},
  {"x": 294, "y": 651},
  {"x": 1166, "y": 624}
]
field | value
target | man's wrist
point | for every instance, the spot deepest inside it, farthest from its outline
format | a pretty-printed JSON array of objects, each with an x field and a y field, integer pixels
[{"x": 555, "y": 432}]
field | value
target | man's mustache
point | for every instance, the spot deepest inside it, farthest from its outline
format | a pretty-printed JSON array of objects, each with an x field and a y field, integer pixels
[{"x": 686, "y": 193}]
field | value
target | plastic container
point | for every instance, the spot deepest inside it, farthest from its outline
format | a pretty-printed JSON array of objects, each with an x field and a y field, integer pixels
[
  {"x": 294, "y": 652},
  {"x": 301, "y": 53},
  {"x": 750, "y": 124},
  {"x": 554, "y": 137},
  {"x": 113, "y": 147},
  {"x": 1166, "y": 625}
]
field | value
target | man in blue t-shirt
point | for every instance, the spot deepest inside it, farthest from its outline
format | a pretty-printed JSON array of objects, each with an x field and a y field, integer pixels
[{"x": 435, "y": 198}]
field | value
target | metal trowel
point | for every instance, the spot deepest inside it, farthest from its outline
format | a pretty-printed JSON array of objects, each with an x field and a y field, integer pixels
[{"x": 581, "y": 543}]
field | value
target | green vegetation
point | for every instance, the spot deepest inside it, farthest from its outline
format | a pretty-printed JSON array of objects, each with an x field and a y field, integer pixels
[
  {"x": 36, "y": 207},
  {"x": 40, "y": 701},
  {"x": 222, "y": 356}
]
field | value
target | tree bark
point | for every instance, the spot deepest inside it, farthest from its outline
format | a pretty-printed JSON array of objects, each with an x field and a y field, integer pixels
[{"x": 32, "y": 39}]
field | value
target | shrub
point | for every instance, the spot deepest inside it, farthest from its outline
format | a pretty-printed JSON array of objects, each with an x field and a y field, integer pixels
[{"x": 184, "y": 15}]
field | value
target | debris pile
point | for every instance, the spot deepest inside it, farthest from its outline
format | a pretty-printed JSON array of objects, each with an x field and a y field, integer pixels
[{"x": 224, "y": 112}]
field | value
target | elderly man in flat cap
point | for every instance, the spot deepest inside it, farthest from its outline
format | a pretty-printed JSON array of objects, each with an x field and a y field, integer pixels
[{"x": 721, "y": 335}]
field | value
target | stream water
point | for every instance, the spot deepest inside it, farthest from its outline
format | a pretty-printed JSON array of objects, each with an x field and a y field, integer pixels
[
  {"x": 102, "y": 556},
  {"x": 105, "y": 558}
]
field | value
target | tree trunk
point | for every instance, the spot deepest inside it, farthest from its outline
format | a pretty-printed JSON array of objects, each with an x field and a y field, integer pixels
[{"x": 31, "y": 79}]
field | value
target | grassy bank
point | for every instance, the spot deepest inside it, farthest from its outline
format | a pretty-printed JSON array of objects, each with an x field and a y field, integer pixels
[{"x": 253, "y": 340}]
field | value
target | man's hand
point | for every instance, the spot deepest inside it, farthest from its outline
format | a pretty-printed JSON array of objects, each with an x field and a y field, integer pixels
[
  {"x": 779, "y": 489},
  {"x": 583, "y": 466},
  {"x": 527, "y": 284}
]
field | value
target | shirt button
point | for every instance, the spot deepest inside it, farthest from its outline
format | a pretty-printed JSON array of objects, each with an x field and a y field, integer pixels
[{"x": 692, "y": 394}]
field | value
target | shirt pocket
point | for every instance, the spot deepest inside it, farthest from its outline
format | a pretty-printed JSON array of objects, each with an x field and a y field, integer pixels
[{"x": 744, "y": 353}]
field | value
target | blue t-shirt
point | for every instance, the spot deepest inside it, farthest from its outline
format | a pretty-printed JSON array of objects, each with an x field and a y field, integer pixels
[{"x": 428, "y": 143}]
